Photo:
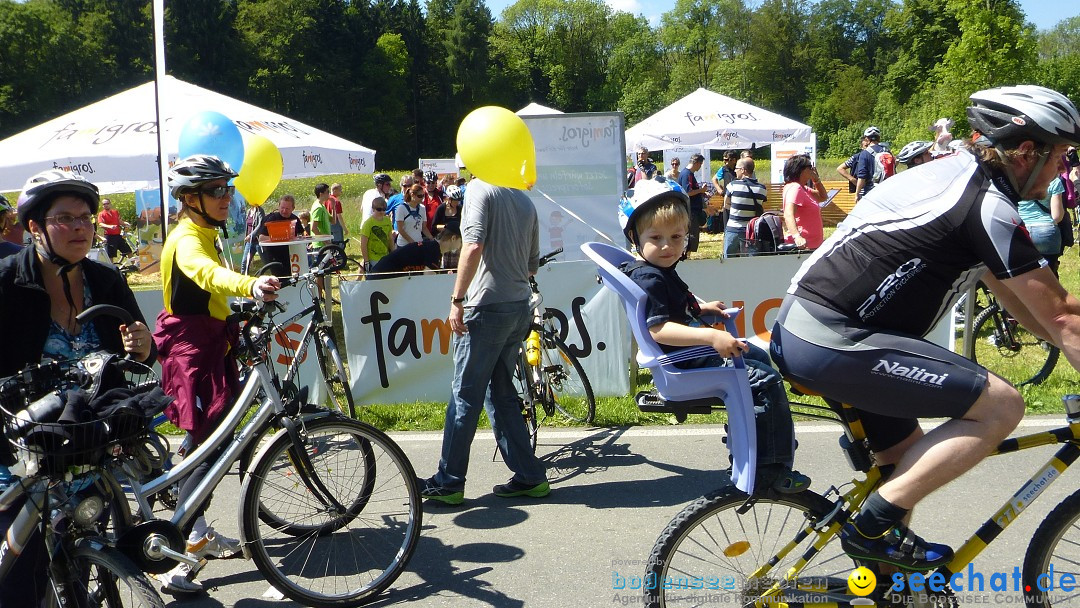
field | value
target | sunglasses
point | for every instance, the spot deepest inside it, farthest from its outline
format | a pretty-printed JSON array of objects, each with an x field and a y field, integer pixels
[
  {"x": 378, "y": 208},
  {"x": 219, "y": 191}
]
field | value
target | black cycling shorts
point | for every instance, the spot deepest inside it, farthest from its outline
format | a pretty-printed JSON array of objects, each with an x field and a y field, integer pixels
[{"x": 892, "y": 378}]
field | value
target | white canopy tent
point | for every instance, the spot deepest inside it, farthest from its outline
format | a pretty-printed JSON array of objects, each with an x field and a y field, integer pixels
[
  {"x": 535, "y": 109},
  {"x": 708, "y": 120},
  {"x": 113, "y": 142}
]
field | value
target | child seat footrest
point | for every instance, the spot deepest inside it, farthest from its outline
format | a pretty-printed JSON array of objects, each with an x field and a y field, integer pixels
[{"x": 652, "y": 402}]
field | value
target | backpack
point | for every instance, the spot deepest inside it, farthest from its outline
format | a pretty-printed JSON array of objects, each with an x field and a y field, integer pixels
[
  {"x": 884, "y": 165},
  {"x": 1070, "y": 197},
  {"x": 765, "y": 232}
]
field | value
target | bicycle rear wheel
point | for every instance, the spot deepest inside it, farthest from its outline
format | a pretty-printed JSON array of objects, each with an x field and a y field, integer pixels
[
  {"x": 347, "y": 557},
  {"x": 101, "y": 576},
  {"x": 566, "y": 383},
  {"x": 1004, "y": 347},
  {"x": 333, "y": 370},
  {"x": 709, "y": 548}
]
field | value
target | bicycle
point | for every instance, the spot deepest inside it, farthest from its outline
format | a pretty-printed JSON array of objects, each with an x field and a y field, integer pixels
[
  {"x": 778, "y": 550},
  {"x": 547, "y": 374},
  {"x": 58, "y": 487},
  {"x": 1003, "y": 346},
  {"x": 319, "y": 332},
  {"x": 330, "y": 510}
]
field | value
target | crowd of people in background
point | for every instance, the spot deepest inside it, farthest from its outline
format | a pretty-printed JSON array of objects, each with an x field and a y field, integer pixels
[{"x": 412, "y": 229}]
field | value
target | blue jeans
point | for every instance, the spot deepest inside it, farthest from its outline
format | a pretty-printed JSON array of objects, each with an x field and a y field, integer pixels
[
  {"x": 734, "y": 242},
  {"x": 772, "y": 412},
  {"x": 483, "y": 379}
]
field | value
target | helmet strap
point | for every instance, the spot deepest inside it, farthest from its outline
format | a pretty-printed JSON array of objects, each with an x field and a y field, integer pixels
[
  {"x": 64, "y": 267},
  {"x": 201, "y": 212},
  {"x": 1035, "y": 171}
]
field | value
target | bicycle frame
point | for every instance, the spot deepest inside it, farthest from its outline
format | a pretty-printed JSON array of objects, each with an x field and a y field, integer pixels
[
  {"x": 966, "y": 553},
  {"x": 259, "y": 378}
]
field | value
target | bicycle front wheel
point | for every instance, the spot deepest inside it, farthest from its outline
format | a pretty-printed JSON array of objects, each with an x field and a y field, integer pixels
[
  {"x": 1005, "y": 348},
  {"x": 333, "y": 370},
  {"x": 101, "y": 576},
  {"x": 568, "y": 387},
  {"x": 1052, "y": 563},
  {"x": 709, "y": 548},
  {"x": 346, "y": 556}
]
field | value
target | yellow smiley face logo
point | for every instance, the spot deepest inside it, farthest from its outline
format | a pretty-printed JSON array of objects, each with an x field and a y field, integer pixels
[{"x": 861, "y": 581}]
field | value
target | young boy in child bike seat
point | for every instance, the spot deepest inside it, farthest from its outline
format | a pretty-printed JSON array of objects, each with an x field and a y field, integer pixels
[
  {"x": 853, "y": 324},
  {"x": 657, "y": 222}
]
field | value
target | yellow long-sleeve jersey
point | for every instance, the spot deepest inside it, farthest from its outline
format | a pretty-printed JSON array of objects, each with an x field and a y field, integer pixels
[{"x": 193, "y": 279}]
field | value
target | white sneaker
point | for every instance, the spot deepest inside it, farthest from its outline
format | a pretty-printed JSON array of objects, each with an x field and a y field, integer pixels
[
  {"x": 179, "y": 580},
  {"x": 214, "y": 546}
]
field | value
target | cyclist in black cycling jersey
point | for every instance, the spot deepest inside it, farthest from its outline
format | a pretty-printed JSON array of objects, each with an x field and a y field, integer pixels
[{"x": 853, "y": 323}]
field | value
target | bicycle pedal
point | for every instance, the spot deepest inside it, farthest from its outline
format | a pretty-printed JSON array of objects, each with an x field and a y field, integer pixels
[{"x": 197, "y": 568}]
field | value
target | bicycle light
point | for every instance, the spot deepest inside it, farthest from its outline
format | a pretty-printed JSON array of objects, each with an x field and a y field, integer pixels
[{"x": 89, "y": 510}]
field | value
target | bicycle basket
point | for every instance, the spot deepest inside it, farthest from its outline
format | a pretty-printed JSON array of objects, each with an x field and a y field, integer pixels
[{"x": 87, "y": 418}]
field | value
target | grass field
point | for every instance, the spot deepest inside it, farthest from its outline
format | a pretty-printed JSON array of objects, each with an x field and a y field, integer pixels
[{"x": 621, "y": 411}]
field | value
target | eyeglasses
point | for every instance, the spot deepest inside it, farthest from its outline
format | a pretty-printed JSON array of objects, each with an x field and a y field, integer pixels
[
  {"x": 219, "y": 191},
  {"x": 71, "y": 221},
  {"x": 378, "y": 208}
]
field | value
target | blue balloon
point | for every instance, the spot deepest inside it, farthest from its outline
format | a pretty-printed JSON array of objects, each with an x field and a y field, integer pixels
[{"x": 214, "y": 134}]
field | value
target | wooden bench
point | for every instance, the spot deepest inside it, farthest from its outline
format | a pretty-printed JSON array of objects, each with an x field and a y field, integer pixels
[{"x": 830, "y": 216}]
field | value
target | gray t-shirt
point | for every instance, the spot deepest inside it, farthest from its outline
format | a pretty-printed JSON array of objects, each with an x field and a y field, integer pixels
[{"x": 504, "y": 221}]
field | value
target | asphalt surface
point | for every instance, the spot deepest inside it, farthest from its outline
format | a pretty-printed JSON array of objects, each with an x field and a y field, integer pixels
[{"x": 613, "y": 491}]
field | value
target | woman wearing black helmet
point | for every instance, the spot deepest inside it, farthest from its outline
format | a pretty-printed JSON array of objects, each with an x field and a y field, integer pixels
[
  {"x": 197, "y": 367},
  {"x": 43, "y": 288}
]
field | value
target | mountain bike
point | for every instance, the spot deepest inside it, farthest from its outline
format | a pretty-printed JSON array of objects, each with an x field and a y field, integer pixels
[
  {"x": 772, "y": 549},
  {"x": 59, "y": 464},
  {"x": 330, "y": 510},
  {"x": 549, "y": 378},
  {"x": 1003, "y": 346}
]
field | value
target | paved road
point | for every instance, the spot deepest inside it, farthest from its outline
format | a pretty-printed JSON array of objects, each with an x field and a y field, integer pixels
[{"x": 613, "y": 492}]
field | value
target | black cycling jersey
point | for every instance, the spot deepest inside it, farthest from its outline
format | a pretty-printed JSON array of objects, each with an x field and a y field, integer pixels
[{"x": 909, "y": 249}]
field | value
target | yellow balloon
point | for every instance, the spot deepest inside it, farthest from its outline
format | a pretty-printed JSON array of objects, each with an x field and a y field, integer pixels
[
  {"x": 496, "y": 146},
  {"x": 262, "y": 169}
]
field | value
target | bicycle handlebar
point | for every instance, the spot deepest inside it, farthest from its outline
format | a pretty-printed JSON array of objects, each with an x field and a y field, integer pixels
[
  {"x": 109, "y": 310},
  {"x": 548, "y": 257}
]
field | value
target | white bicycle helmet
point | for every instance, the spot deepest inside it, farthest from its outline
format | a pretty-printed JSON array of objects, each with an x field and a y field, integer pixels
[
  {"x": 455, "y": 192},
  {"x": 913, "y": 150},
  {"x": 1024, "y": 112},
  {"x": 872, "y": 133},
  {"x": 647, "y": 193},
  {"x": 40, "y": 190}
]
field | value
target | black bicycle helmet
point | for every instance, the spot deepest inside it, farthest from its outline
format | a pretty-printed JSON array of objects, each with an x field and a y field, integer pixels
[
  {"x": 5, "y": 206},
  {"x": 913, "y": 150},
  {"x": 193, "y": 171},
  {"x": 382, "y": 178},
  {"x": 431, "y": 177},
  {"x": 40, "y": 190},
  {"x": 1024, "y": 112}
]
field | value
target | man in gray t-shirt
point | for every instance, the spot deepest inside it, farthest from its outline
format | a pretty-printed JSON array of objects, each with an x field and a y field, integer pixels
[{"x": 489, "y": 308}]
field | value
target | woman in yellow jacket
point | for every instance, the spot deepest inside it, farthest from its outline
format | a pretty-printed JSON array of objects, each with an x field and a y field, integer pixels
[{"x": 194, "y": 341}]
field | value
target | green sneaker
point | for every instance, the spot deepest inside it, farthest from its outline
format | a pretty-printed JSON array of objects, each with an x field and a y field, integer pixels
[
  {"x": 444, "y": 495},
  {"x": 514, "y": 488}
]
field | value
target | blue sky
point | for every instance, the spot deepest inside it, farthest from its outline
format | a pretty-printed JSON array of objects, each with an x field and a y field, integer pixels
[{"x": 1043, "y": 13}]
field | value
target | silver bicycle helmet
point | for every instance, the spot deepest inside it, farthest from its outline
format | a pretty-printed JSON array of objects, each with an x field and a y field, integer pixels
[
  {"x": 913, "y": 150},
  {"x": 872, "y": 133},
  {"x": 195, "y": 170},
  {"x": 1024, "y": 112},
  {"x": 40, "y": 190}
]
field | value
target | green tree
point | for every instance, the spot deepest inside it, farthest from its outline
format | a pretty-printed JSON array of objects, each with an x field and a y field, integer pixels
[
  {"x": 700, "y": 34},
  {"x": 202, "y": 44}
]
